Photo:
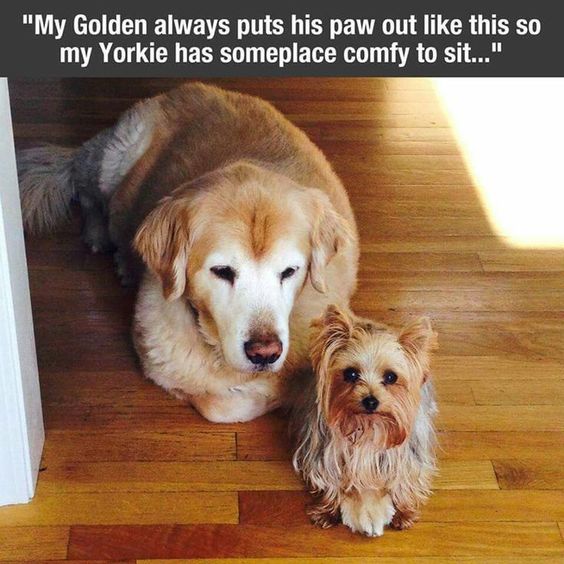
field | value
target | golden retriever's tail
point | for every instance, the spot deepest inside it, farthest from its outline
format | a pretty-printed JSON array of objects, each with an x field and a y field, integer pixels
[{"x": 46, "y": 186}]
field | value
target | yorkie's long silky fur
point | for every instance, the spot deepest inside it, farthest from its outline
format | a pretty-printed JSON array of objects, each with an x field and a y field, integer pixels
[{"x": 366, "y": 471}]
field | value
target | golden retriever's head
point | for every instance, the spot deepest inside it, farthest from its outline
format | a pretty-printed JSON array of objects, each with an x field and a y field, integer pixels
[{"x": 239, "y": 244}]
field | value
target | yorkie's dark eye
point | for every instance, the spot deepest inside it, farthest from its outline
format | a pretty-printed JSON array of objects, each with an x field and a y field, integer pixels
[
  {"x": 288, "y": 272},
  {"x": 351, "y": 374},
  {"x": 224, "y": 272},
  {"x": 390, "y": 377}
]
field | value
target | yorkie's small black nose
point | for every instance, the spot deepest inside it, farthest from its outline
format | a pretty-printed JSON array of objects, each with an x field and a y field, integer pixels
[{"x": 370, "y": 403}]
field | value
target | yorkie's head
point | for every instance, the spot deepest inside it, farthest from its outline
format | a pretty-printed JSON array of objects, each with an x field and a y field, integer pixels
[{"x": 369, "y": 377}]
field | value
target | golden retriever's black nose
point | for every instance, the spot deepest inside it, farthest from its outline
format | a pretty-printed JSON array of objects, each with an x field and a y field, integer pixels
[
  {"x": 265, "y": 349},
  {"x": 370, "y": 403}
]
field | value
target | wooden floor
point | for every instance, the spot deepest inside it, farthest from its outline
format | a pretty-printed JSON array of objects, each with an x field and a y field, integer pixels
[{"x": 131, "y": 474}]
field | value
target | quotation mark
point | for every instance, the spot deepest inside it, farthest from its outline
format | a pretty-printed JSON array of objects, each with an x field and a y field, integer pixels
[
  {"x": 28, "y": 18},
  {"x": 496, "y": 47}
]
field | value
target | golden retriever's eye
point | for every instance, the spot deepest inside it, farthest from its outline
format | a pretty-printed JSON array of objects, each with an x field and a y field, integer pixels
[
  {"x": 288, "y": 272},
  {"x": 224, "y": 272},
  {"x": 351, "y": 374},
  {"x": 390, "y": 377}
]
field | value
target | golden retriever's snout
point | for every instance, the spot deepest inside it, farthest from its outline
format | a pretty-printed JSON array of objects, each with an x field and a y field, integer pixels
[{"x": 263, "y": 349}]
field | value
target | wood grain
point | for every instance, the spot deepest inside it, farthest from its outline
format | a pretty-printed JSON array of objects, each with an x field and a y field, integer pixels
[
  {"x": 531, "y": 473},
  {"x": 363, "y": 560},
  {"x": 152, "y": 476},
  {"x": 98, "y": 446},
  {"x": 243, "y": 541},
  {"x": 542, "y": 391},
  {"x": 122, "y": 508},
  {"x": 278, "y": 508},
  {"x": 473, "y": 445},
  {"x": 32, "y": 543},
  {"x": 501, "y": 418},
  {"x": 510, "y": 260},
  {"x": 458, "y": 445}
]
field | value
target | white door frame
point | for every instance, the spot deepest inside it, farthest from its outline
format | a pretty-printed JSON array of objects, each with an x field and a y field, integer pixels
[{"x": 21, "y": 421}]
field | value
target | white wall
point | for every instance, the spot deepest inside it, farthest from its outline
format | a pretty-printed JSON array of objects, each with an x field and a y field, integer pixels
[{"x": 21, "y": 423}]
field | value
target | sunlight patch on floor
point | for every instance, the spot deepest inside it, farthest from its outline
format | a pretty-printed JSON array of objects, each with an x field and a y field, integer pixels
[{"x": 511, "y": 132}]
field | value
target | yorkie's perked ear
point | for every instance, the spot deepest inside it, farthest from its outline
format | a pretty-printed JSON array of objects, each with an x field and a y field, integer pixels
[
  {"x": 330, "y": 232},
  {"x": 419, "y": 339},
  {"x": 330, "y": 334},
  {"x": 162, "y": 242}
]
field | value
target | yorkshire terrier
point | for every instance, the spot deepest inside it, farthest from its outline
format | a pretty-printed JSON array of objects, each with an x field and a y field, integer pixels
[{"x": 363, "y": 427}]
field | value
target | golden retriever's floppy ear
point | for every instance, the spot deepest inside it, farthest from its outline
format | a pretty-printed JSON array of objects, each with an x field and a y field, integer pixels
[
  {"x": 162, "y": 241},
  {"x": 329, "y": 232},
  {"x": 419, "y": 339}
]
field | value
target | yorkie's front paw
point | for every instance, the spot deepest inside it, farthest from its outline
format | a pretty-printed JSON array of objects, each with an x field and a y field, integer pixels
[
  {"x": 368, "y": 513},
  {"x": 404, "y": 519},
  {"x": 323, "y": 518}
]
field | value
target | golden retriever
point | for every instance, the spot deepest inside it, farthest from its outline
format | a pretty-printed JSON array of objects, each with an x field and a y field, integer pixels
[{"x": 244, "y": 230}]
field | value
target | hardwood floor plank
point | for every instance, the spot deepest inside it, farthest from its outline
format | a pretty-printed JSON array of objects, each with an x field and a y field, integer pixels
[
  {"x": 419, "y": 262},
  {"x": 71, "y": 562},
  {"x": 362, "y": 109},
  {"x": 405, "y": 178},
  {"x": 273, "y": 509},
  {"x": 453, "y": 392},
  {"x": 244, "y": 541},
  {"x": 170, "y": 416},
  {"x": 545, "y": 391},
  {"x": 126, "y": 477},
  {"x": 63, "y": 447},
  {"x": 493, "y": 368},
  {"x": 360, "y": 560},
  {"x": 423, "y": 226},
  {"x": 430, "y": 278},
  {"x": 501, "y": 418},
  {"x": 531, "y": 473},
  {"x": 455, "y": 445},
  {"x": 67, "y": 561},
  {"x": 368, "y": 133},
  {"x": 516, "y": 346},
  {"x": 121, "y": 508},
  {"x": 431, "y": 243},
  {"x": 473, "y": 300},
  {"x": 471, "y": 445},
  {"x": 499, "y": 506},
  {"x": 390, "y": 121},
  {"x": 32, "y": 543},
  {"x": 99, "y": 388},
  {"x": 517, "y": 261},
  {"x": 262, "y": 445},
  {"x": 169, "y": 476},
  {"x": 465, "y": 474},
  {"x": 366, "y": 139}
]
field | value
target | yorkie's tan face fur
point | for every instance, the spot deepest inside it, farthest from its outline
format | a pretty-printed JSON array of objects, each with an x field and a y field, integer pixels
[{"x": 369, "y": 377}]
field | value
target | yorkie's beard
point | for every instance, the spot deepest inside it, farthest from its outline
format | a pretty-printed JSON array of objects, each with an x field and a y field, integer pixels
[{"x": 379, "y": 430}]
